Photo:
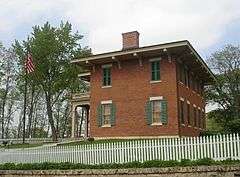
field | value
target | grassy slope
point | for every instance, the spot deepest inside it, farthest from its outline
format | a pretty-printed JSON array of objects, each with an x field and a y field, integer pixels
[{"x": 17, "y": 146}]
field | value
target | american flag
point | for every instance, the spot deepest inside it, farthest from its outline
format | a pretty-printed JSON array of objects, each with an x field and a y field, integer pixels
[{"x": 29, "y": 66}]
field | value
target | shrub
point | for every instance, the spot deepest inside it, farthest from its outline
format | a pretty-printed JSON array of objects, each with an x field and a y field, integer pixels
[
  {"x": 204, "y": 161},
  {"x": 185, "y": 162}
]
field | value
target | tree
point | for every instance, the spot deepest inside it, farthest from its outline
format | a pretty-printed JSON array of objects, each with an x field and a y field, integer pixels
[
  {"x": 52, "y": 49},
  {"x": 8, "y": 73},
  {"x": 226, "y": 91}
]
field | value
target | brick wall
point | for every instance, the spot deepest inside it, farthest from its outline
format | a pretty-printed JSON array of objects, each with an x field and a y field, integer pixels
[
  {"x": 131, "y": 89},
  {"x": 194, "y": 98}
]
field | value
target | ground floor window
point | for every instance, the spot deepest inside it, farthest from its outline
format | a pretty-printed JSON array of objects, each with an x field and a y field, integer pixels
[
  {"x": 156, "y": 111},
  {"x": 181, "y": 111},
  {"x": 106, "y": 114},
  {"x": 188, "y": 114},
  {"x": 199, "y": 118},
  {"x": 195, "y": 116}
]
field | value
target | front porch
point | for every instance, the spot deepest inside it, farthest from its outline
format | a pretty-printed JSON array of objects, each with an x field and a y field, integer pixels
[{"x": 80, "y": 114}]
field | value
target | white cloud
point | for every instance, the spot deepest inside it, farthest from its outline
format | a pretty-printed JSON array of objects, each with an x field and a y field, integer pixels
[{"x": 202, "y": 23}]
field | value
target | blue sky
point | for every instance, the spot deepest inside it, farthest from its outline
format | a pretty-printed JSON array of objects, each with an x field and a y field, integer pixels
[{"x": 208, "y": 26}]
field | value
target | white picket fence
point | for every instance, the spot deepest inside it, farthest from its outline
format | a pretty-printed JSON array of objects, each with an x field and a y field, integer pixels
[{"x": 217, "y": 147}]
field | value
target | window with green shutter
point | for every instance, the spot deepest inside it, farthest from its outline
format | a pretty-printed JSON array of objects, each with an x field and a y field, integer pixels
[
  {"x": 195, "y": 116},
  {"x": 99, "y": 115},
  {"x": 156, "y": 112},
  {"x": 106, "y": 115},
  {"x": 199, "y": 118},
  {"x": 148, "y": 111},
  {"x": 188, "y": 114},
  {"x": 106, "y": 76},
  {"x": 181, "y": 111},
  {"x": 164, "y": 112},
  {"x": 155, "y": 67}
]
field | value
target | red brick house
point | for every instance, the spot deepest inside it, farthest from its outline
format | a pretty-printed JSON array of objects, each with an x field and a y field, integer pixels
[{"x": 144, "y": 92}]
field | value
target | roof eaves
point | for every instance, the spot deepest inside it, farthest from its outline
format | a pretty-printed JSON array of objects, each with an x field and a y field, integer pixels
[
  {"x": 141, "y": 49},
  {"x": 201, "y": 60}
]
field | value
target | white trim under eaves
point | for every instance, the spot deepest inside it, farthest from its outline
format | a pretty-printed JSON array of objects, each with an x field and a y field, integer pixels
[{"x": 142, "y": 49}]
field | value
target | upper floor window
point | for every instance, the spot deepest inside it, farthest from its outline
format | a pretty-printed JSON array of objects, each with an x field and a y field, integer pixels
[
  {"x": 181, "y": 111},
  {"x": 182, "y": 73},
  {"x": 106, "y": 76},
  {"x": 155, "y": 66}
]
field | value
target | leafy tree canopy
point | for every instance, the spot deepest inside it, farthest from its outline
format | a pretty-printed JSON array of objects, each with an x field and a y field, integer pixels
[
  {"x": 52, "y": 49},
  {"x": 226, "y": 91}
]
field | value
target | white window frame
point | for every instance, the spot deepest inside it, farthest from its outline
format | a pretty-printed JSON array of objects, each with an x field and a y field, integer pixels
[
  {"x": 156, "y": 98},
  {"x": 105, "y": 102}
]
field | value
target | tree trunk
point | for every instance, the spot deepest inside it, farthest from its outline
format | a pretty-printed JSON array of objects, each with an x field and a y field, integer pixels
[
  {"x": 3, "y": 106},
  {"x": 29, "y": 127},
  {"x": 50, "y": 116},
  {"x": 66, "y": 118}
]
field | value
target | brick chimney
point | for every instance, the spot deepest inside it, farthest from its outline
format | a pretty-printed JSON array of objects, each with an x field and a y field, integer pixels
[{"x": 130, "y": 40}]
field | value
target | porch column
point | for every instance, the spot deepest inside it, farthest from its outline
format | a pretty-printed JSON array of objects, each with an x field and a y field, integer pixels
[
  {"x": 73, "y": 114},
  {"x": 86, "y": 122}
]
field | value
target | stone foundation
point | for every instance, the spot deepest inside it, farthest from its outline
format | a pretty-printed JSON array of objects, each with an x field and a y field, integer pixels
[{"x": 201, "y": 171}]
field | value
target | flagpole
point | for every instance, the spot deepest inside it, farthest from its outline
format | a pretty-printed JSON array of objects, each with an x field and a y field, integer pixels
[{"x": 25, "y": 104}]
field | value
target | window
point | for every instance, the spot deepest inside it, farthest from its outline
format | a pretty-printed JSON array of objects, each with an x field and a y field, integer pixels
[
  {"x": 195, "y": 116},
  {"x": 156, "y": 111},
  {"x": 155, "y": 65},
  {"x": 106, "y": 114},
  {"x": 181, "y": 111},
  {"x": 107, "y": 76},
  {"x": 182, "y": 74},
  {"x": 190, "y": 81},
  {"x": 188, "y": 114},
  {"x": 185, "y": 77},
  {"x": 203, "y": 120},
  {"x": 199, "y": 118}
]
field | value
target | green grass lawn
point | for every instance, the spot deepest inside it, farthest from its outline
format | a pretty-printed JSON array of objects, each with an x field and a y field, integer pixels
[
  {"x": 18, "y": 146},
  {"x": 75, "y": 143}
]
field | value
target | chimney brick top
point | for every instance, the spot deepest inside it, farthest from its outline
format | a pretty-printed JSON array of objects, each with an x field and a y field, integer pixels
[{"x": 130, "y": 40}]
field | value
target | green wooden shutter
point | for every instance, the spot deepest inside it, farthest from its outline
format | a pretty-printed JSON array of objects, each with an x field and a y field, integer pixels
[
  {"x": 153, "y": 70},
  {"x": 99, "y": 115},
  {"x": 148, "y": 111},
  {"x": 164, "y": 112},
  {"x": 157, "y": 70},
  {"x": 113, "y": 114}
]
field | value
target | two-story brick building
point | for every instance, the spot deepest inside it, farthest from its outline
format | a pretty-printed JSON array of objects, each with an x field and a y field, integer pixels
[{"x": 144, "y": 92}]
